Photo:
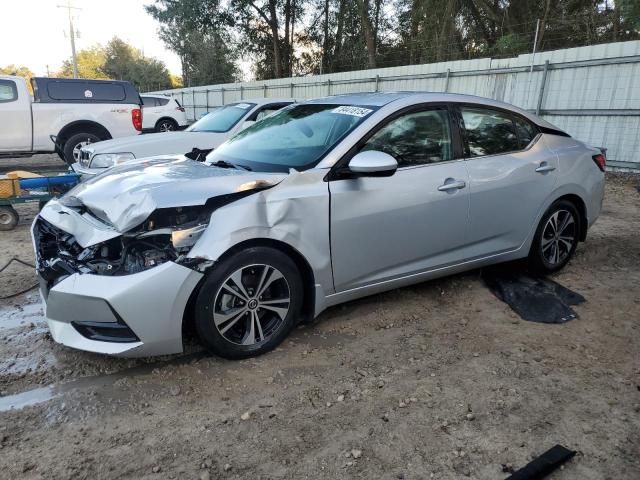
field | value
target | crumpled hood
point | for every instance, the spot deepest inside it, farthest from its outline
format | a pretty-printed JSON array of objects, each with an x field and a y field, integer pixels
[
  {"x": 159, "y": 143},
  {"x": 126, "y": 195}
]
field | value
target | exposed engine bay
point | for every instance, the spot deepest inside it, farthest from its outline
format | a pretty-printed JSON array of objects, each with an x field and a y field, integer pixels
[{"x": 167, "y": 235}]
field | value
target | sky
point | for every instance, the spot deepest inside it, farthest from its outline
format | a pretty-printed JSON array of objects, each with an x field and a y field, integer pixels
[{"x": 34, "y": 33}]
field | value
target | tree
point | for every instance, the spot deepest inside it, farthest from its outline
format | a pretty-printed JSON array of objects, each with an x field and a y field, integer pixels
[
  {"x": 198, "y": 32},
  {"x": 90, "y": 64},
  {"x": 124, "y": 62},
  {"x": 630, "y": 11},
  {"x": 19, "y": 71}
]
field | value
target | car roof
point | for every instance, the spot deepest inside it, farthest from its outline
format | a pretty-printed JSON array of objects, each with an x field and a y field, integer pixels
[{"x": 380, "y": 99}]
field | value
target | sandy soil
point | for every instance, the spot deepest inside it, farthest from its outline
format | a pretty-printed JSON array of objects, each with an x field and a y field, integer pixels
[{"x": 440, "y": 380}]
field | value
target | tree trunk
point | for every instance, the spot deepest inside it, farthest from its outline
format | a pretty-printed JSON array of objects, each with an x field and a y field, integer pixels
[
  {"x": 337, "y": 53},
  {"x": 367, "y": 30},
  {"x": 325, "y": 40},
  {"x": 273, "y": 24},
  {"x": 287, "y": 51}
]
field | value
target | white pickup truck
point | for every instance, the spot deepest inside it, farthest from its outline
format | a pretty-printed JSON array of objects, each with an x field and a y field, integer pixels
[{"x": 63, "y": 115}]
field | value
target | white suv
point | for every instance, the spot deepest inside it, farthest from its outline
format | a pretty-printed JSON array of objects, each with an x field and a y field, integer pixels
[{"x": 162, "y": 113}]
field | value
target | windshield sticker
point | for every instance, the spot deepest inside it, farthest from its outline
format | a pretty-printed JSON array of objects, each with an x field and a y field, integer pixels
[
  {"x": 353, "y": 111},
  {"x": 243, "y": 106}
]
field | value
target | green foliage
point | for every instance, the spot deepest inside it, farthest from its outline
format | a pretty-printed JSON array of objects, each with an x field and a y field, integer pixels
[
  {"x": 280, "y": 38},
  {"x": 119, "y": 61},
  {"x": 90, "y": 64},
  {"x": 630, "y": 10},
  {"x": 197, "y": 31},
  {"x": 18, "y": 71}
]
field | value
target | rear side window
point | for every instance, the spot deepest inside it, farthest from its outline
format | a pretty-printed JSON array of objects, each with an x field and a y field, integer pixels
[
  {"x": 415, "y": 138},
  {"x": 8, "y": 91},
  {"x": 489, "y": 132},
  {"x": 162, "y": 101},
  {"x": 148, "y": 101},
  {"x": 526, "y": 132},
  {"x": 101, "y": 92}
]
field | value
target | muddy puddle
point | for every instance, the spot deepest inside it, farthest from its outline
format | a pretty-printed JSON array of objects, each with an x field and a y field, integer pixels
[{"x": 22, "y": 316}]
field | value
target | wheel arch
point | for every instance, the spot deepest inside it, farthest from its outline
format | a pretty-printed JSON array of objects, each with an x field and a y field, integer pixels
[
  {"x": 308, "y": 278},
  {"x": 581, "y": 206},
  {"x": 84, "y": 126}
]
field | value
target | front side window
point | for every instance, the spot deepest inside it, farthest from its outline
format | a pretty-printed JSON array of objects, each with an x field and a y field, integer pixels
[
  {"x": 489, "y": 132},
  {"x": 294, "y": 137},
  {"x": 223, "y": 119},
  {"x": 8, "y": 91},
  {"x": 415, "y": 138}
]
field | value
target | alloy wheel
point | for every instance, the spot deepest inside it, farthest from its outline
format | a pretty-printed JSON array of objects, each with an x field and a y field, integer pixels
[
  {"x": 166, "y": 127},
  {"x": 77, "y": 148},
  {"x": 251, "y": 304},
  {"x": 558, "y": 237}
]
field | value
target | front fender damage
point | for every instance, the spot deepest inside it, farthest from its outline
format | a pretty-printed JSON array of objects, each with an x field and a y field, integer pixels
[
  {"x": 296, "y": 214},
  {"x": 70, "y": 237}
]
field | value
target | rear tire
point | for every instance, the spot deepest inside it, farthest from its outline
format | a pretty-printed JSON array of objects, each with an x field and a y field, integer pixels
[
  {"x": 166, "y": 125},
  {"x": 9, "y": 218},
  {"x": 556, "y": 238},
  {"x": 249, "y": 303},
  {"x": 74, "y": 143}
]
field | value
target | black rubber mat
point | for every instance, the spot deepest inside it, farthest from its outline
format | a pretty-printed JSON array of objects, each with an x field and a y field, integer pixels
[{"x": 535, "y": 299}]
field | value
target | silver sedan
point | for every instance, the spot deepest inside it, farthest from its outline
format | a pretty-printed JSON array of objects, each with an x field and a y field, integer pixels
[{"x": 324, "y": 202}]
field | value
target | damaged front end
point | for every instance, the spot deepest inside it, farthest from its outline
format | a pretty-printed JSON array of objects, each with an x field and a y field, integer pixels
[{"x": 167, "y": 235}]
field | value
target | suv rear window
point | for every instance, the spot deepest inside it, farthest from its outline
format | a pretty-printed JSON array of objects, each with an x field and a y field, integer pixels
[{"x": 69, "y": 90}]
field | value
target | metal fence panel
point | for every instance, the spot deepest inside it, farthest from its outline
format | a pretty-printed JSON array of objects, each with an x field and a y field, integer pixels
[{"x": 591, "y": 92}]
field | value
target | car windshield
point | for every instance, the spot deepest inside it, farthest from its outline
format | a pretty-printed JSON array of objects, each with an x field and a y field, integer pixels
[
  {"x": 297, "y": 137},
  {"x": 223, "y": 119}
]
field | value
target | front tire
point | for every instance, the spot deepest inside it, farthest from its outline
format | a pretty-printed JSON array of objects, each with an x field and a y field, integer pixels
[
  {"x": 556, "y": 238},
  {"x": 74, "y": 143},
  {"x": 249, "y": 303}
]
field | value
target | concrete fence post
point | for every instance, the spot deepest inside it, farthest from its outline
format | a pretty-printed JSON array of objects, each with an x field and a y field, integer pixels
[
  {"x": 291, "y": 87},
  {"x": 221, "y": 95},
  {"x": 328, "y": 87},
  {"x": 241, "y": 92},
  {"x": 377, "y": 83},
  {"x": 446, "y": 80},
  {"x": 264, "y": 90}
]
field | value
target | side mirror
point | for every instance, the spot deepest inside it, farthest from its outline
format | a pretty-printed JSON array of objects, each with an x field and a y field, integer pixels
[
  {"x": 373, "y": 163},
  {"x": 247, "y": 124}
]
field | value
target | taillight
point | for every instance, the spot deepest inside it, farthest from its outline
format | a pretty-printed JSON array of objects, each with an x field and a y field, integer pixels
[
  {"x": 136, "y": 118},
  {"x": 181, "y": 109},
  {"x": 601, "y": 161}
]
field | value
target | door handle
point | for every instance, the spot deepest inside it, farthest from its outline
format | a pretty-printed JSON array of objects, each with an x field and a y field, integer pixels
[
  {"x": 545, "y": 167},
  {"x": 451, "y": 184}
]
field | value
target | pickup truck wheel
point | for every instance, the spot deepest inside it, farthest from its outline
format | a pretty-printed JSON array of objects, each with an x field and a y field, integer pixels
[
  {"x": 166, "y": 125},
  {"x": 74, "y": 143},
  {"x": 8, "y": 218}
]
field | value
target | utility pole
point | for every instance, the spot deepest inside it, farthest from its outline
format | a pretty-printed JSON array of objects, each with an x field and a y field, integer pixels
[{"x": 72, "y": 35}]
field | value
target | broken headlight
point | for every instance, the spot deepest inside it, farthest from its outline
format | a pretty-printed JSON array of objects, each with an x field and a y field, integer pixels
[{"x": 106, "y": 160}]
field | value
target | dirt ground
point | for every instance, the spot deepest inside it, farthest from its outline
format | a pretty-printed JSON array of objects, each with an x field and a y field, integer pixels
[{"x": 441, "y": 380}]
